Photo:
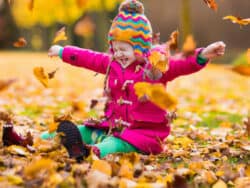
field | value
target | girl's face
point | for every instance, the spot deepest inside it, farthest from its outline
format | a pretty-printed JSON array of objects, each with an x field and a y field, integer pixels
[{"x": 123, "y": 53}]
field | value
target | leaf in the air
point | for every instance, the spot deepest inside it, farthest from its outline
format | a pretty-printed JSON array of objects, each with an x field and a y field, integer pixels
[
  {"x": 60, "y": 35},
  {"x": 173, "y": 40},
  {"x": 6, "y": 83},
  {"x": 211, "y": 4},
  {"x": 237, "y": 20},
  {"x": 41, "y": 76},
  {"x": 21, "y": 42}
]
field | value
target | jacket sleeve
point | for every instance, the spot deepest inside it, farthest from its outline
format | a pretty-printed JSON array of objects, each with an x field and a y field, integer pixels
[
  {"x": 86, "y": 58},
  {"x": 180, "y": 65}
]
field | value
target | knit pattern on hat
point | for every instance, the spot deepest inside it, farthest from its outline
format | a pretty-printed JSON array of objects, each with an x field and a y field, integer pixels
[{"x": 132, "y": 26}]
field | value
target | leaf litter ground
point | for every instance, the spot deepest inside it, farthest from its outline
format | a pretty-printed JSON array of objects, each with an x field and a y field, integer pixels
[{"x": 209, "y": 145}]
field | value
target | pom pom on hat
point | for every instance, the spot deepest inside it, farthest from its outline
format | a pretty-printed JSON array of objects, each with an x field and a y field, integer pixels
[{"x": 132, "y": 26}]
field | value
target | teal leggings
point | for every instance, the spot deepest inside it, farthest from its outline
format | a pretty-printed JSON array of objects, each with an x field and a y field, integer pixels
[{"x": 97, "y": 137}]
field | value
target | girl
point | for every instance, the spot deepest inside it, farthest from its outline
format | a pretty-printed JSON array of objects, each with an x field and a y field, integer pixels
[{"x": 135, "y": 125}]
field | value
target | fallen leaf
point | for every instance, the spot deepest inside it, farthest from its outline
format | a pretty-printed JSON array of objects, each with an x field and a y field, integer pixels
[
  {"x": 6, "y": 83},
  {"x": 247, "y": 124},
  {"x": 237, "y": 20},
  {"x": 18, "y": 150},
  {"x": 60, "y": 35},
  {"x": 220, "y": 184},
  {"x": 21, "y": 42},
  {"x": 102, "y": 166},
  {"x": 211, "y": 4},
  {"x": 189, "y": 45}
]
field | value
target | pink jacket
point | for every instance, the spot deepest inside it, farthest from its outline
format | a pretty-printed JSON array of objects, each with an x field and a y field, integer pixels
[{"x": 144, "y": 124}]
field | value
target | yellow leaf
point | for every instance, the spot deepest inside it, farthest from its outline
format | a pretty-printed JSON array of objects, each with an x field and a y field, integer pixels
[
  {"x": 18, "y": 150},
  {"x": 237, "y": 20},
  {"x": 102, "y": 166},
  {"x": 173, "y": 40},
  {"x": 183, "y": 141},
  {"x": 53, "y": 127},
  {"x": 141, "y": 89},
  {"x": 161, "y": 98},
  {"x": 242, "y": 69},
  {"x": 60, "y": 35},
  {"x": 31, "y": 5},
  {"x": 39, "y": 166},
  {"x": 126, "y": 170},
  {"x": 248, "y": 171},
  {"x": 15, "y": 180},
  {"x": 41, "y": 76},
  {"x": 189, "y": 45},
  {"x": 220, "y": 184},
  {"x": 159, "y": 61}
]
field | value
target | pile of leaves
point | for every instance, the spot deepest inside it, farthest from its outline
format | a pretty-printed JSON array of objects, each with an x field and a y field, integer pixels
[{"x": 209, "y": 145}]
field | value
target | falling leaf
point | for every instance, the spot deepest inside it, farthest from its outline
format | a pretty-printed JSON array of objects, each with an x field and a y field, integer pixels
[
  {"x": 41, "y": 76},
  {"x": 211, "y": 4},
  {"x": 156, "y": 94},
  {"x": 60, "y": 35},
  {"x": 21, "y": 42},
  {"x": 159, "y": 61},
  {"x": 237, "y": 20},
  {"x": 81, "y": 3},
  {"x": 60, "y": 118},
  {"x": 31, "y": 5},
  {"x": 52, "y": 74},
  {"x": 189, "y": 45},
  {"x": 173, "y": 40},
  {"x": 102, "y": 166},
  {"x": 6, "y": 83},
  {"x": 242, "y": 69}
]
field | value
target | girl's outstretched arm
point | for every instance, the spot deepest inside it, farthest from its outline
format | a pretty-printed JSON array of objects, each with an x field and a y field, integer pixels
[{"x": 80, "y": 57}]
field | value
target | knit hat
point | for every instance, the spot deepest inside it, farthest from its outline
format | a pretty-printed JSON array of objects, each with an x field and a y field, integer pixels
[{"x": 132, "y": 26}]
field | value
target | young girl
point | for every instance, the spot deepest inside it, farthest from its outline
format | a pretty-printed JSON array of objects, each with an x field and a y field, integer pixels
[{"x": 135, "y": 125}]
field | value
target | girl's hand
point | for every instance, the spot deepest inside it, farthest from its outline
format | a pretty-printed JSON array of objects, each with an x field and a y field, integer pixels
[
  {"x": 54, "y": 50},
  {"x": 213, "y": 50}
]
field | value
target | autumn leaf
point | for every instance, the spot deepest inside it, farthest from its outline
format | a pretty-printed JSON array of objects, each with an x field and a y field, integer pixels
[
  {"x": 220, "y": 184},
  {"x": 247, "y": 124},
  {"x": 81, "y": 3},
  {"x": 102, "y": 166},
  {"x": 242, "y": 69},
  {"x": 156, "y": 94},
  {"x": 42, "y": 76},
  {"x": 173, "y": 40},
  {"x": 159, "y": 61},
  {"x": 21, "y": 42},
  {"x": 6, "y": 83},
  {"x": 18, "y": 150},
  {"x": 237, "y": 20},
  {"x": 189, "y": 45},
  {"x": 60, "y": 35},
  {"x": 248, "y": 56},
  {"x": 211, "y": 4}
]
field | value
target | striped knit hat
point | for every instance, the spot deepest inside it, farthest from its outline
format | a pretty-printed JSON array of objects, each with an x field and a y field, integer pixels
[{"x": 132, "y": 26}]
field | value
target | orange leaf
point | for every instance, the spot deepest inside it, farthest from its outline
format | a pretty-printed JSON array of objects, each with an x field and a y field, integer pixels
[
  {"x": 237, "y": 20},
  {"x": 211, "y": 4},
  {"x": 85, "y": 27},
  {"x": 242, "y": 69},
  {"x": 189, "y": 45},
  {"x": 60, "y": 35},
  {"x": 81, "y": 3},
  {"x": 173, "y": 40},
  {"x": 21, "y": 42},
  {"x": 6, "y": 83},
  {"x": 102, "y": 166}
]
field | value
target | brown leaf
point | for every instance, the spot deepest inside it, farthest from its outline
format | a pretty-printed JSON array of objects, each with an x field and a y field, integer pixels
[
  {"x": 31, "y": 5},
  {"x": 173, "y": 40},
  {"x": 63, "y": 118},
  {"x": 6, "y": 117},
  {"x": 6, "y": 83},
  {"x": 247, "y": 124},
  {"x": 21, "y": 42},
  {"x": 211, "y": 4},
  {"x": 52, "y": 74}
]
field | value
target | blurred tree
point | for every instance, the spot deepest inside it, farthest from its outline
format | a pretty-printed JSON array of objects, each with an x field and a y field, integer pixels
[
  {"x": 185, "y": 19},
  {"x": 57, "y": 12},
  {"x": 8, "y": 29}
]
